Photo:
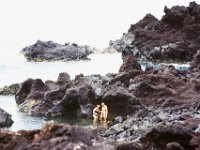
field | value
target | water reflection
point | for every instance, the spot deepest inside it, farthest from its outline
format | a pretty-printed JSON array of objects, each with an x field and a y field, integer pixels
[
  {"x": 101, "y": 123},
  {"x": 23, "y": 121}
]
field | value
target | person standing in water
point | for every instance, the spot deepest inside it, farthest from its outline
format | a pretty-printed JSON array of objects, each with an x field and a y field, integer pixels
[
  {"x": 104, "y": 112},
  {"x": 96, "y": 112}
]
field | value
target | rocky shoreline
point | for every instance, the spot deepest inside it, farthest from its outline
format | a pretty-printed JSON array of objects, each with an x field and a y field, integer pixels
[{"x": 155, "y": 108}]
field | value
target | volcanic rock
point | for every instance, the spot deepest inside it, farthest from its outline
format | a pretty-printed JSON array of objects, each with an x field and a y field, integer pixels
[
  {"x": 5, "y": 119},
  {"x": 9, "y": 90},
  {"x": 50, "y": 51},
  {"x": 173, "y": 38}
]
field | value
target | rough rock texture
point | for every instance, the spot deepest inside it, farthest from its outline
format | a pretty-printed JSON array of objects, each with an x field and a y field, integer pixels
[
  {"x": 77, "y": 98},
  {"x": 167, "y": 89},
  {"x": 129, "y": 63},
  {"x": 195, "y": 64},
  {"x": 9, "y": 90},
  {"x": 173, "y": 38},
  {"x": 158, "y": 108},
  {"x": 5, "y": 119},
  {"x": 172, "y": 137},
  {"x": 50, "y": 51},
  {"x": 50, "y": 137}
]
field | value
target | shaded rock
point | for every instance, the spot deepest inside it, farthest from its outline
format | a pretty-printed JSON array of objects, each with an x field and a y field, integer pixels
[
  {"x": 119, "y": 100},
  {"x": 129, "y": 63},
  {"x": 61, "y": 98},
  {"x": 51, "y": 136},
  {"x": 76, "y": 98},
  {"x": 128, "y": 146},
  {"x": 31, "y": 92},
  {"x": 9, "y": 90},
  {"x": 24, "y": 90},
  {"x": 50, "y": 51},
  {"x": 5, "y": 119},
  {"x": 170, "y": 137},
  {"x": 77, "y": 102}
]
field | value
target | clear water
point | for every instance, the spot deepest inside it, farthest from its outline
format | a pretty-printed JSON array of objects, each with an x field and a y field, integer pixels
[
  {"x": 15, "y": 69},
  {"x": 21, "y": 120}
]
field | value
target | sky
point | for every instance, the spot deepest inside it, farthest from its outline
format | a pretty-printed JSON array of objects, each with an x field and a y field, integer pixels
[{"x": 86, "y": 22}]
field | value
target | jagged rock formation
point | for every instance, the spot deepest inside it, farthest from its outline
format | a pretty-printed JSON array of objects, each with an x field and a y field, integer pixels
[{"x": 173, "y": 38}]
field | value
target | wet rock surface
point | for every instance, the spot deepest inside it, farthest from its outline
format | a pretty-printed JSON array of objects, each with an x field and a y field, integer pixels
[
  {"x": 50, "y": 51},
  {"x": 173, "y": 38},
  {"x": 5, "y": 119}
]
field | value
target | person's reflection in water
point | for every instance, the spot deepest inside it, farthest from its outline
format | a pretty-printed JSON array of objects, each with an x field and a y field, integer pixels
[
  {"x": 104, "y": 124},
  {"x": 95, "y": 123}
]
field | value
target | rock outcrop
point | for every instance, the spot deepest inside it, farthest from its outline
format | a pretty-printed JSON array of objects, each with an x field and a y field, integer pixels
[
  {"x": 173, "y": 38},
  {"x": 50, "y": 51},
  {"x": 77, "y": 98},
  {"x": 9, "y": 90},
  {"x": 5, "y": 119}
]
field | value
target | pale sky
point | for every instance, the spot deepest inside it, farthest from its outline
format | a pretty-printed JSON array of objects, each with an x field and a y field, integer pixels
[{"x": 86, "y": 22}]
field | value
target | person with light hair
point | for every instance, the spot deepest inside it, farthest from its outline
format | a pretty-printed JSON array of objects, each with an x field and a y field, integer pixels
[{"x": 104, "y": 112}]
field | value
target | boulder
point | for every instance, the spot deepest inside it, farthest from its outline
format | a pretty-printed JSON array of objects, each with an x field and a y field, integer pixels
[
  {"x": 119, "y": 100},
  {"x": 25, "y": 89},
  {"x": 77, "y": 102},
  {"x": 50, "y": 51},
  {"x": 5, "y": 119},
  {"x": 31, "y": 92}
]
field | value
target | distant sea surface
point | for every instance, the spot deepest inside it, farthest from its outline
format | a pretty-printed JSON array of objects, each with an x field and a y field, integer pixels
[{"x": 15, "y": 69}]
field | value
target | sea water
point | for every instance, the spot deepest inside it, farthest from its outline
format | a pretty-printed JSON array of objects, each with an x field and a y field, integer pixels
[{"x": 15, "y": 69}]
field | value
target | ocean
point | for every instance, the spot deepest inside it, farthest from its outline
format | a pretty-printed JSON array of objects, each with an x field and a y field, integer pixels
[{"x": 15, "y": 69}]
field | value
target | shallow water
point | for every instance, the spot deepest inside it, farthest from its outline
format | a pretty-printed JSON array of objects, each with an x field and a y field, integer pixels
[
  {"x": 16, "y": 69},
  {"x": 23, "y": 121}
]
